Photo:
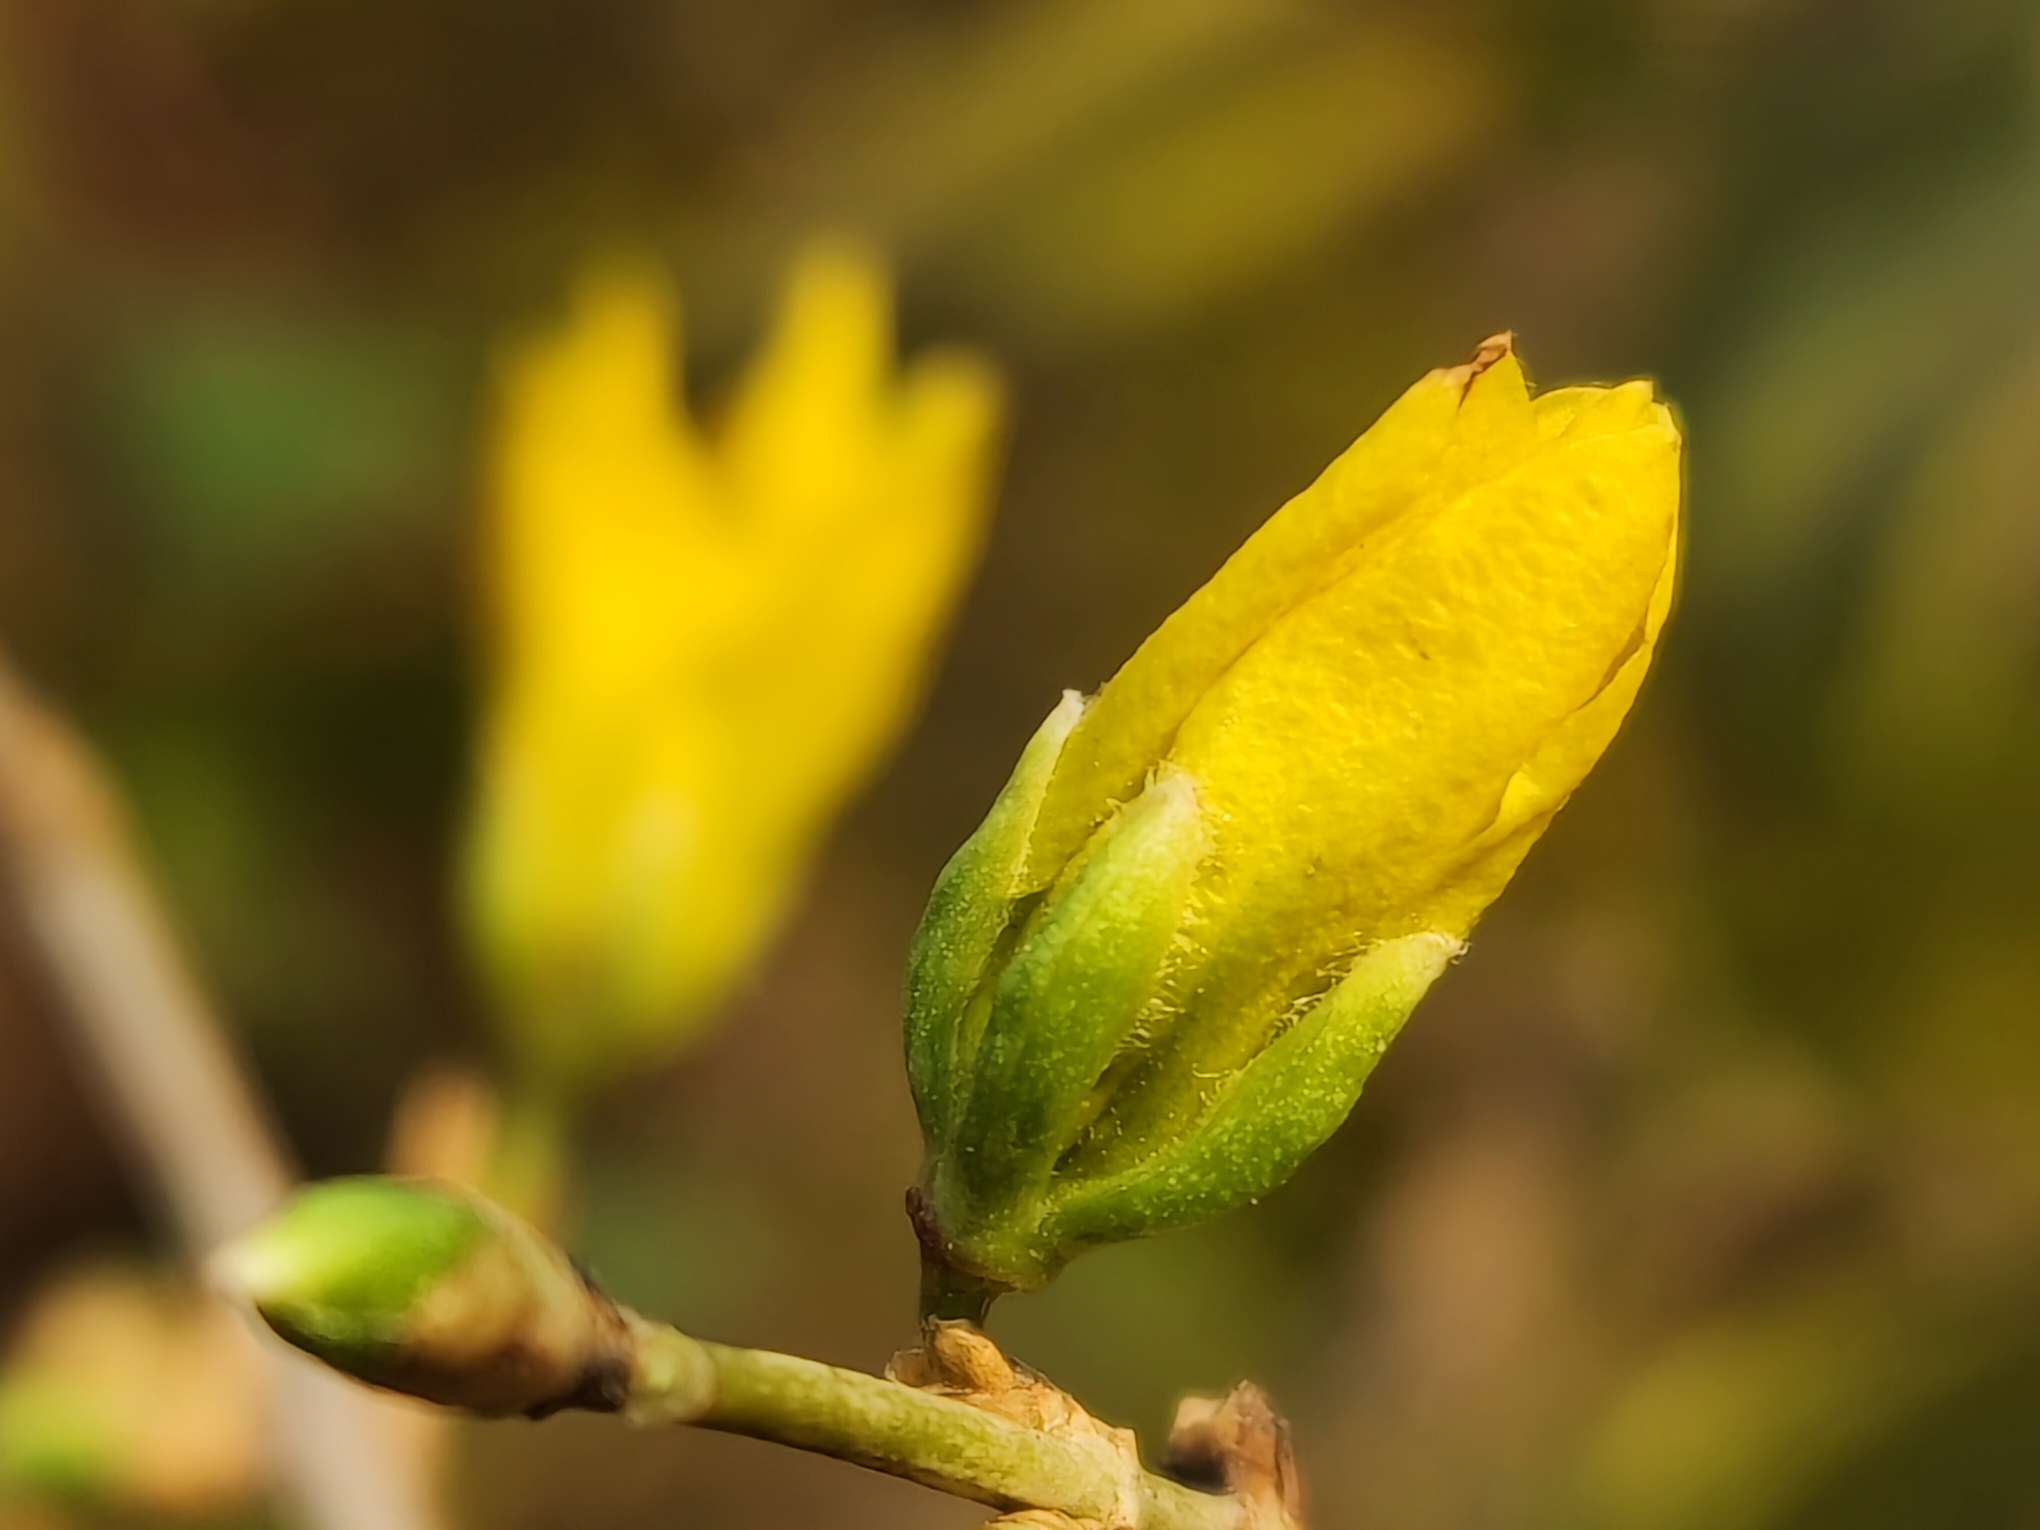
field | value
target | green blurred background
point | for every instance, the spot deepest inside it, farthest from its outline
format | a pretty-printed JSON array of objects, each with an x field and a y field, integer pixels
[{"x": 1705, "y": 1193}]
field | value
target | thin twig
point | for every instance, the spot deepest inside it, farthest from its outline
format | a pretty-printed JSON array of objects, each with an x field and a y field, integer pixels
[
  {"x": 174, "y": 1089},
  {"x": 1080, "y": 1470},
  {"x": 435, "y": 1291}
]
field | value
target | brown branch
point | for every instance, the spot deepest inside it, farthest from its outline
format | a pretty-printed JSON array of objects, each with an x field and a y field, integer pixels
[{"x": 174, "y": 1090}]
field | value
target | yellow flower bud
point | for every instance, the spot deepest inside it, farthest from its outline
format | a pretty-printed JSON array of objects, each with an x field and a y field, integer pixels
[
  {"x": 703, "y": 640},
  {"x": 1298, "y": 796}
]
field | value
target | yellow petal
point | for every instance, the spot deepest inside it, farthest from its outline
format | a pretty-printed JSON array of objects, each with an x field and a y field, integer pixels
[
  {"x": 1381, "y": 750},
  {"x": 1454, "y": 427},
  {"x": 1371, "y": 733},
  {"x": 600, "y": 489},
  {"x": 805, "y": 423}
]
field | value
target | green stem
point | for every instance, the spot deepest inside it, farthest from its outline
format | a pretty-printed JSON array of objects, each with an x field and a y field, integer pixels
[
  {"x": 438, "y": 1292},
  {"x": 900, "y": 1430},
  {"x": 527, "y": 1167},
  {"x": 949, "y": 1293}
]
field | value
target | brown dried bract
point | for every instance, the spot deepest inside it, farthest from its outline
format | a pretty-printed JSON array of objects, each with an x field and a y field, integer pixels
[
  {"x": 1485, "y": 355},
  {"x": 955, "y": 1359},
  {"x": 1241, "y": 1444}
]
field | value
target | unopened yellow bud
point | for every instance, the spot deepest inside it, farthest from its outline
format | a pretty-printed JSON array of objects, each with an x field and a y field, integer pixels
[{"x": 1157, "y": 976}]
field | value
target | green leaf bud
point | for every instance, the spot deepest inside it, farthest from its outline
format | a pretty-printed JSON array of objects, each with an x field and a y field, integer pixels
[{"x": 426, "y": 1289}]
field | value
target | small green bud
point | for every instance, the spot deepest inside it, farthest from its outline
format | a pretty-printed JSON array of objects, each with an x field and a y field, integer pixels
[{"x": 427, "y": 1289}]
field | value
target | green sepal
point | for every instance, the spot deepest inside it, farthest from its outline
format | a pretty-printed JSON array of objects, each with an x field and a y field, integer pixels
[
  {"x": 968, "y": 911},
  {"x": 1275, "y": 1112},
  {"x": 1071, "y": 993}
]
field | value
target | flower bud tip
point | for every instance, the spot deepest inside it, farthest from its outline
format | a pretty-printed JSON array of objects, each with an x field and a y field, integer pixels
[{"x": 343, "y": 1264}]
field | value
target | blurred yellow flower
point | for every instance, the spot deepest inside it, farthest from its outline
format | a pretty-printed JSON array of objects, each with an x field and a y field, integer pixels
[{"x": 703, "y": 640}]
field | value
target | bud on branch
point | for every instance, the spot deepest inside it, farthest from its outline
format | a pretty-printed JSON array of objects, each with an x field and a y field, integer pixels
[{"x": 431, "y": 1290}]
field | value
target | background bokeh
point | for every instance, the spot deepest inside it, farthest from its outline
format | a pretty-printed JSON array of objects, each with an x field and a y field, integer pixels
[{"x": 1705, "y": 1192}]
